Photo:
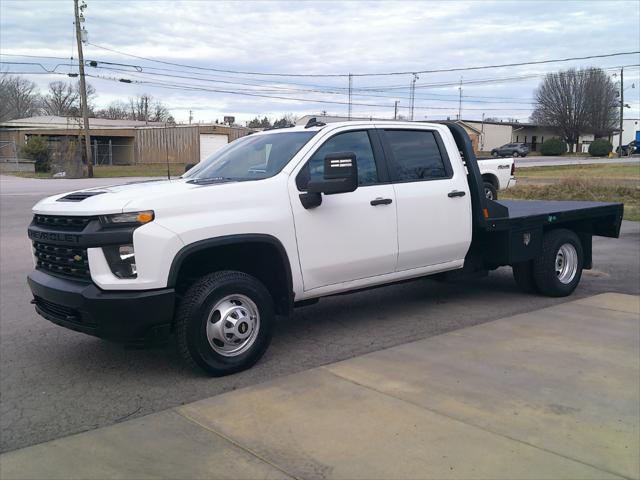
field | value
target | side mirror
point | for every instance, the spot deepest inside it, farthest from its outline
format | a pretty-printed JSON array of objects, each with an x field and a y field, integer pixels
[
  {"x": 340, "y": 176},
  {"x": 188, "y": 167}
]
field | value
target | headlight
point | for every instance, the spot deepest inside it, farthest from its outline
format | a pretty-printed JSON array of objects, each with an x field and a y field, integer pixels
[
  {"x": 121, "y": 260},
  {"x": 127, "y": 219}
]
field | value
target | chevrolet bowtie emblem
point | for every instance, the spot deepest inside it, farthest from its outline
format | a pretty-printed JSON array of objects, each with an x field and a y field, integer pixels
[{"x": 77, "y": 258}]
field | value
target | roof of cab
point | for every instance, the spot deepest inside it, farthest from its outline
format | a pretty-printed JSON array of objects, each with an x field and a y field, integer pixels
[{"x": 354, "y": 123}]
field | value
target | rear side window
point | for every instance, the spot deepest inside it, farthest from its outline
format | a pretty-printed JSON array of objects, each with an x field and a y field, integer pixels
[
  {"x": 417, "y": 155},
  {"x": 357, "y": 142}
]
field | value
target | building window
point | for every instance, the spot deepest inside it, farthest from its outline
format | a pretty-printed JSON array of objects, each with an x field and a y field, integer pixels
[{"x": 517, "y": 138}]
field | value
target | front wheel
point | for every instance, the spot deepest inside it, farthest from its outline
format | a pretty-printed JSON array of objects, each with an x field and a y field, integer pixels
[
  {"x": 558, "y": 269},
  {"x": 224, "y": 322},
  {"x": 516, "y": 154}
]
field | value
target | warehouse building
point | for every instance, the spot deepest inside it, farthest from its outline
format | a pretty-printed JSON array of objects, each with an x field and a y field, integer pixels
[{"x": 122, "y": 142}]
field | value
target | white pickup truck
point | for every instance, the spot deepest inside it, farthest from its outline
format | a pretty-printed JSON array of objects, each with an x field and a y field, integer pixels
[
  {"x": 497, "y": 174},
  {"x": 282, "y": 218}
]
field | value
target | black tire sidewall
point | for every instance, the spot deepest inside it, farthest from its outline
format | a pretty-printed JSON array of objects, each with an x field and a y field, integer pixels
[
  {"x": 544, "y": 266},
  {"x": 494, "y": 192},
  {"x": 196, "y": 337}
]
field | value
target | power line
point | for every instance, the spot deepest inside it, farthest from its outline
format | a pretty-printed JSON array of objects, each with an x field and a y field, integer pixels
[
  {"x": 183, "y": 87},
  {"x": 296, "y": 90},
  {"x": 442, "y": 70}
]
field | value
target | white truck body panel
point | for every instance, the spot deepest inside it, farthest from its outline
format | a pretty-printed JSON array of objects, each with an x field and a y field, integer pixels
[
  {"x": 499, "y": 170},
  {"x": 344, "y": 244}
]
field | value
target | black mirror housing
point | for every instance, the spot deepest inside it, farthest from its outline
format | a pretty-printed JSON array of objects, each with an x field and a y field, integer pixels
[{"x": 340, "y": 174}]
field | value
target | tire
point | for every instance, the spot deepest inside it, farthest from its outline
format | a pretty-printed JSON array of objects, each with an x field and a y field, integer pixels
[
  {"x": 523, "y": 275},
  {"x": 233, "y": 298},
  {"x": 550, "y": 275},
  {"x": 490, "y": 191},
  {"x": 516, "y": 154},
  {"x": 494, "y": 153}
]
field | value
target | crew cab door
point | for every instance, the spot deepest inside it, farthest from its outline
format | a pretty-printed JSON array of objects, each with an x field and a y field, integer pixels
[
  {"x": 432, "y": 195},
  {"x": 351, "y": 235}
]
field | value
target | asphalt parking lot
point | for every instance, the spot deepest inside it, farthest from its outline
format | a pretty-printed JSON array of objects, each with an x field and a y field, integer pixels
[{"x": 56, "y": 382}]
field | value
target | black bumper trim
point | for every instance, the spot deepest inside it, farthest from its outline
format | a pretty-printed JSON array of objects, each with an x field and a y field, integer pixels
[{"x": 124, "y": 316}]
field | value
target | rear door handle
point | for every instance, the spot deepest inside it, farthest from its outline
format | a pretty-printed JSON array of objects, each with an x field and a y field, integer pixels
[
  {"x": 455, "y": 193},
  {"x": 381, "y": 201}
]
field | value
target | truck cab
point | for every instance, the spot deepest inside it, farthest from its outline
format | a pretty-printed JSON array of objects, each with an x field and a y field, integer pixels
[{"x": 282, "y": 218}]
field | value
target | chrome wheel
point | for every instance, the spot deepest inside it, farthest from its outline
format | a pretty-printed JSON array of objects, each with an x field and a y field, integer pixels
[
  {"x": 233, "y": 325},
  {"x": 488, "y": 193},
  {"x": 566, "y": 263}
]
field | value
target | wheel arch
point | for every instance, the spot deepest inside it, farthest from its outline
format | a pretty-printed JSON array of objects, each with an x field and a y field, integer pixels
[
  {"x": 492, "y": 179},
  {"x": 260, "y": 255}
]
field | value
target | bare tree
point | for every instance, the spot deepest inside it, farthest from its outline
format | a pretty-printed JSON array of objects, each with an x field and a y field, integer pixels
[
  {"x": 576, "y": 102},
  {"x": 603, "y": 103},
  {"x": 63, "y": 99},
  {"x": 19, "y": 97},
  {"x": 145, "y": 107},
  {"x": 116, "y": 110}
]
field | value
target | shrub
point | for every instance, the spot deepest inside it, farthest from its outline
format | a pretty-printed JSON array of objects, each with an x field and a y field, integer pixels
[
  {"x": 37, "y": 149},
  {"x": 600, "y": 148},
  {"x": 553, "y": 146}
]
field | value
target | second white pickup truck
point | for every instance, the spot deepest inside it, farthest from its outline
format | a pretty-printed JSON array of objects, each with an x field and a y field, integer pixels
[
  {"x": 497, "y": 174},
  {"x": 282, "y": 218}
]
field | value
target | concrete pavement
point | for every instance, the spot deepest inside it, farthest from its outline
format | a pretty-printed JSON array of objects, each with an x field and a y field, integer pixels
[
  {"x": 547, "y": 394},
  {"x": 56, "y": 382}
]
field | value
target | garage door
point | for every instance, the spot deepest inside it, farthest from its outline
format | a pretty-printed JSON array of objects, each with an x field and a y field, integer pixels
[{"x": 211, "y": 142}]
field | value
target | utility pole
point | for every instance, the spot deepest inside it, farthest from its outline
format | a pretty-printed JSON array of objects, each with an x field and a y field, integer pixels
[
  {"x": 412, "y": 96},
  {"x": 350, "y": 93},
  {"x": 350, "y": 86},
  {"x": 190, "y": 116},
  {"x": 482, "y": 134},
  {"x": 83, "y": 89},
  {"x": 621, "y": 111},
  {"x": 395, "y": 110},
  {"x": 460, "y": 100}
]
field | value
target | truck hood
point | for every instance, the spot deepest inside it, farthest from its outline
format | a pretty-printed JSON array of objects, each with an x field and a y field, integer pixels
[{"x": 116, "y": 198}]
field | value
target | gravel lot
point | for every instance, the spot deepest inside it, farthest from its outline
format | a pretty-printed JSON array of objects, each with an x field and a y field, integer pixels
[{"x": 55, "y": 382}]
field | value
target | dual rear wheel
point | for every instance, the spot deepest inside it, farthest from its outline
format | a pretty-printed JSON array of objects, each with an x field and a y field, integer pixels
[{"x": 557, "y": 271}]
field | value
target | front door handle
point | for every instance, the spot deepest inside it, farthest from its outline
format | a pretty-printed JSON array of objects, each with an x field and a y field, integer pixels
[
  {"x": 456, "y": 193},
  {"x": 381, "y": 201}
]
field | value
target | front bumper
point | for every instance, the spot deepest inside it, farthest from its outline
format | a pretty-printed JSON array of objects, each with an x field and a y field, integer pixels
[{"x": 116, "y": 315}]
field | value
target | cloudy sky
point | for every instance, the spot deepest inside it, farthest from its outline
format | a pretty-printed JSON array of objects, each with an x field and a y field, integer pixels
[{"x": 203, "y": 42}]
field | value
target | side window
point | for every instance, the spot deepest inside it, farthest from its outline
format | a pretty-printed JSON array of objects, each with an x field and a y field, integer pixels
[
  {"x": 357, "y": 142},
  {"x": 417, "y": 155}
]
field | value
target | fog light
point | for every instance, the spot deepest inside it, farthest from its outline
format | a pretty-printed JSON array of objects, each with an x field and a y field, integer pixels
[{"x": 121, "y": 260}]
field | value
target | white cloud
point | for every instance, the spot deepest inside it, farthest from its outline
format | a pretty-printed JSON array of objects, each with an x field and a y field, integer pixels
[{"x": 327, "y": 37}]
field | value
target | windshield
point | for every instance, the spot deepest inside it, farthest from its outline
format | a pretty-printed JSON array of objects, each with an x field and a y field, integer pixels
[{"x": 252, "y": 157}]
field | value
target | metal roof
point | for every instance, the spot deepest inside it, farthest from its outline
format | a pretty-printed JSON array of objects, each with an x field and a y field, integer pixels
[{"x": 53, "y": 121}]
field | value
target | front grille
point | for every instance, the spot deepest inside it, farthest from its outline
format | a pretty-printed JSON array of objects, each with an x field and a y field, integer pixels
[
  {"x": 58, "y": 222},
  {"x": 61, "y": 260},
  {"x": 57, "y": 311}
]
